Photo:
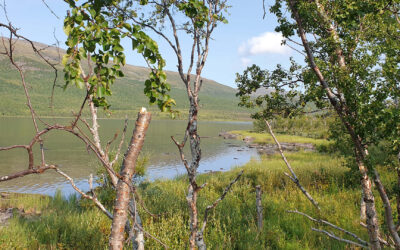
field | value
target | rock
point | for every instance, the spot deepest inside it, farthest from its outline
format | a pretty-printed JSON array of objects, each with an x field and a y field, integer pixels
[
  {"x": 227, "y": 135},
  {"x": 272, "y": 148},
  {"x": 248, "y": 139},
  {"x": 5, "y": 215}
]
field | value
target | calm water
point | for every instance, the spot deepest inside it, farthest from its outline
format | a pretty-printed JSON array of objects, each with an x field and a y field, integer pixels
[{"x": 70, "y": 154}]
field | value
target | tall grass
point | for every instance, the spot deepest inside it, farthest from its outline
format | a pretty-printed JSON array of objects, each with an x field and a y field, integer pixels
[
  {"x": 69, "y": 223},
  {"x": 53, "y": 223}
]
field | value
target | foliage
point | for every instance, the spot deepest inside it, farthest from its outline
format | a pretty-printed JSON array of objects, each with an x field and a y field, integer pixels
[
  {"x": 94, "y": 33},
  {"x": 364, "y": 85},
  {"x": 281, "y": 97},
  {"x": 314, "y": 126}
]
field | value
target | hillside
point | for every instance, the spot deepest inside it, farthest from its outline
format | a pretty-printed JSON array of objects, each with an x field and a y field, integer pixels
[{"x": 217, "y": 101}]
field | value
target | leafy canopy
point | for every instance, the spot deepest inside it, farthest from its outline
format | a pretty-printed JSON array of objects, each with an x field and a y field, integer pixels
[
  {"x": 94, "y": 34},
  {"x": 366, "y": 86}
]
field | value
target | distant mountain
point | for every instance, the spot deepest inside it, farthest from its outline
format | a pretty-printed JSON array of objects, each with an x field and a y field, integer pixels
[{"x": 217, "y": 101}]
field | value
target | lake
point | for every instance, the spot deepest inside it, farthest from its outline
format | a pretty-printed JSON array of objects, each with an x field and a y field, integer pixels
[{"x": 71, "y": 155}]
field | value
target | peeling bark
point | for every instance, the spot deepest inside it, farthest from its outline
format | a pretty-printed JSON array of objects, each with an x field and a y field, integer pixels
[
  {"x": 123, "y": 187},
  {"x": 259, "y": 208}
]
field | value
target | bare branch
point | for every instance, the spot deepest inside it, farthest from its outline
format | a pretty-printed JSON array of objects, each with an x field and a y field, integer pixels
[
  {"x": 29, "y": 171},
  {"x": 93, "y": 198},
  {"x": 388, "y": 210},
  {"x": 333, "y": 236},
  {"x": 48, "y": 7},
  {"x": 120, "y": 143},
  {"x": 293, "y": 176},
  {"x": 259, "y": 208},
  {"x": 363, "y": 242},
  {"x": 212, "y": 206},
  {"x": 180, "y": 148}
]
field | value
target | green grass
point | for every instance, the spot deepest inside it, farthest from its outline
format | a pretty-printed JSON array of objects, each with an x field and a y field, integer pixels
[
  {"x": 71, "y": 224},
  {"x": 53, "y": 223},
  {"x": 312, "y": 125},
  {"x": 266, "y": 138}
]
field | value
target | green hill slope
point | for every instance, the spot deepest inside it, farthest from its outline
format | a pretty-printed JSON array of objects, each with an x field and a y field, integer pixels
[{"x": 217, "y": 101}]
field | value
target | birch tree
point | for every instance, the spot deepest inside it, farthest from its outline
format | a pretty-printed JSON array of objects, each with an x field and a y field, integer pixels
[
  {"x": 351, "y": 49},
  {"x": 173, "y": 22}
]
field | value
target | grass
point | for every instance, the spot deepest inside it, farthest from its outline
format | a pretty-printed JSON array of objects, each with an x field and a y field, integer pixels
[
  {"x": 266, "y": 138},
  {"x": 72, "y": 224},
  {"x": 53, "y": 223}
]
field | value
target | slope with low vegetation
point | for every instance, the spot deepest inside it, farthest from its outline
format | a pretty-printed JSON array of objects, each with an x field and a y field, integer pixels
[{"x": 218, "y": 102}]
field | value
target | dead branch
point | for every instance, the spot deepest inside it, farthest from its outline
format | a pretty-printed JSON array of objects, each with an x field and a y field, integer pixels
[
  {"x": 388, "y": 210},
  {"x": 120, "y": 143},
  {"x": 333, "y": 236},
  {"x": 38, "y": 170},
  {"x": 181, "y": 154},
  {"x": 152, "y": 236},
  {"x": 10, "y": 56},
  {"x": 83, "y": 194},
  {"x": 212, "y": 206},
  {"x": 136, "y": 233},
  {"x": 50, "y": 9},
  {"x": 293, "y": 175},
  {"x": 320, "y": 221},
  {"x": 200, "y": 234}
]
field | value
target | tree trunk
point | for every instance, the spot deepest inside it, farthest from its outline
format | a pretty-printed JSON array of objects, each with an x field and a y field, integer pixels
[
  {"x": 388, "y": 210},
  {"x": 372, "y": 219},
  {"x": 138, "y": 238},
  {"x": 193, "y": 189},
  {"x": 192, "y": 203},
  {"x": 123, "y": 187},
  {"x": 259, "y": 208},
  {"x": 363, "y": 213},
  {"x": 371, "y": 215}
]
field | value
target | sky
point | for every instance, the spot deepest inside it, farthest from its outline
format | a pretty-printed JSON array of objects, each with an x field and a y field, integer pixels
[{"x": 246, "y": 39}]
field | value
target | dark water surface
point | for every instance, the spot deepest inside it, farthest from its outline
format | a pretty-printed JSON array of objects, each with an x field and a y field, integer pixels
[{"x": 70, "y": 154}]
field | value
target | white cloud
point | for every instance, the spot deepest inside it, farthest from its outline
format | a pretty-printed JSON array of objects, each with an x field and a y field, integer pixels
[{"x": 269, "y": 42}]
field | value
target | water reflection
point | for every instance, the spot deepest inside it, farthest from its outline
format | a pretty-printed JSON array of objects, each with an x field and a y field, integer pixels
[{"x": 68, "y": 152}]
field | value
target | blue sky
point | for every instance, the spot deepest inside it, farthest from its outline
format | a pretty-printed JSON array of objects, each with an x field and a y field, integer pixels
[{"x": 246, "y": 39}]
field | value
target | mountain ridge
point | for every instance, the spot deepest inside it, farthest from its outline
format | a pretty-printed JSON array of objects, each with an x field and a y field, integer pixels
[{"x": 218, "y": 101}]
